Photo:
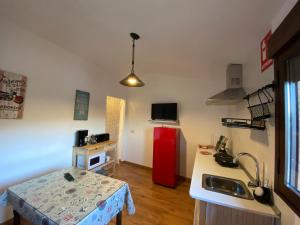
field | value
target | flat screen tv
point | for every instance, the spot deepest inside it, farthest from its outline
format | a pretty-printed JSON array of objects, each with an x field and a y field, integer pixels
[{"x": 164, "y": 111}]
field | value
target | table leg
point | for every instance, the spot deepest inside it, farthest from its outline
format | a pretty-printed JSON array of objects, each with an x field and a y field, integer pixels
[
  {"x": 119, "y": 218},
  {"x": 16, "y": 217}
]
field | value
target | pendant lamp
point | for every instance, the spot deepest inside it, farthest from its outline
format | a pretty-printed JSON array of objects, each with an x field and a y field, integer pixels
[{"x": 132, "y": 80}]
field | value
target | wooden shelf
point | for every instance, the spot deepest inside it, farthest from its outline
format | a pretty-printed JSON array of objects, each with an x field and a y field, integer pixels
[
  {"x": 90, "y": 147},
  {"x": 167, "y": 122},
  {"x": 105, "y": 164},
  {"x": 110, "y": 174},
  {"x": 109, "y": 171}
]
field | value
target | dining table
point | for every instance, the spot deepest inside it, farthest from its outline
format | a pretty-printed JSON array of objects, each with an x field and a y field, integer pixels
[{"x": 89, "y": 199}]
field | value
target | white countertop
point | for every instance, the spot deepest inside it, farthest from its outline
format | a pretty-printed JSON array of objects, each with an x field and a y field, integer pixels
[{"x": 206, "y": 164}]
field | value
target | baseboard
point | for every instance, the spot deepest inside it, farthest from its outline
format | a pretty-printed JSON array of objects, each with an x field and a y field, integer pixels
[
  {"x": 136, "y": 165},
  {"x": 185, "y": 179},
  {"x": 5, "y": 214},
  {"x": 181, "y": 178},
  {"x": 7, "y": 222}
]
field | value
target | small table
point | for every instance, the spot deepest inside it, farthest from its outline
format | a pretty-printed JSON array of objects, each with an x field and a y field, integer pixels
[{"x": 91, "y": 199}]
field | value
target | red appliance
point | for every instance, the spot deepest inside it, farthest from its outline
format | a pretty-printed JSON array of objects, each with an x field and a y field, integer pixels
[{"x": 165, "y": 156}]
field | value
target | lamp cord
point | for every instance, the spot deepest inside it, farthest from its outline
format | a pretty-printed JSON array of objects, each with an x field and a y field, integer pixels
[{"x": 132, "y": 61}]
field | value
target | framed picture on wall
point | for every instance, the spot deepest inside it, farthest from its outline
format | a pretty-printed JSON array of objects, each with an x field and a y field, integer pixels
[
  {"x": 12, "y": 94},
  {"x": 81, "y": 110}
]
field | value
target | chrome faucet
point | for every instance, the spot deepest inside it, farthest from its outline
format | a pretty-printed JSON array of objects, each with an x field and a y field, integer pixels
[{"x": 256, "y": 182}]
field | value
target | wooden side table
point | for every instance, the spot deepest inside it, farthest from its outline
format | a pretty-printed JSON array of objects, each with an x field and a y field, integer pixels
[{"x": 88, "y": 151}]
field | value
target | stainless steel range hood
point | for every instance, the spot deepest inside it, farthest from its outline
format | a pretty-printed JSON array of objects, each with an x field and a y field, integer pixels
[{"x": 234, "y": 91}]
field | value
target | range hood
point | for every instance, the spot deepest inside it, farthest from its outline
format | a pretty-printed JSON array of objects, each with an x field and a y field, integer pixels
[{"x": 234, "y": 91}]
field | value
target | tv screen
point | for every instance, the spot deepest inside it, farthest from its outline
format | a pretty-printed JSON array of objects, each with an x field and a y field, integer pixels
[{"x": 164, "y": 111}]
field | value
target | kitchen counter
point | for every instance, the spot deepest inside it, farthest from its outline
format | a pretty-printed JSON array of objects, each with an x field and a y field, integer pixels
[{"x": 205, "y": 164}]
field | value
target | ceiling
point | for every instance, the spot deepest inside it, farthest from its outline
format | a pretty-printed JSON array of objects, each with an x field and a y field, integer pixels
[{"x": 178, "y": 37}]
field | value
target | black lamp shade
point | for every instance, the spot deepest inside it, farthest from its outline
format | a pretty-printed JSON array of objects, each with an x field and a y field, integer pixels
[{"x": 132, "y": 81}]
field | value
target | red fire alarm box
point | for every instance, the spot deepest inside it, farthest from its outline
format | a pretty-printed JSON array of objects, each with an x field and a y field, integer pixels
[{"x": 265, "y": 61}]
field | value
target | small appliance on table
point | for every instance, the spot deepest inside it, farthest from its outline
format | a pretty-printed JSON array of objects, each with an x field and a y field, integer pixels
[{"x": 53, "y": 199}]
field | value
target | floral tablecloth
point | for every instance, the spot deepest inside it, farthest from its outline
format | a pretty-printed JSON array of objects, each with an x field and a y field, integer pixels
[{"x": 91, "y": 199}]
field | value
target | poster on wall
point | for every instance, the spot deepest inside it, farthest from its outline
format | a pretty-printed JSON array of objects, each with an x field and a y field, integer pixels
[
  {"x": 12, "y": 94},
  {"x": 81, "y": 109},
  {"x": 265, "y": 61}
]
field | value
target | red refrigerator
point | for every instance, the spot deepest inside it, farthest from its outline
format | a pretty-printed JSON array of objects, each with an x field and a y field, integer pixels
[{"x": 165, "y": 156}]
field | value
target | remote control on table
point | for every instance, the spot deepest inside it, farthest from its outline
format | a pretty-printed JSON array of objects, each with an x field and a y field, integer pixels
[{"x": 68, "y": 177}]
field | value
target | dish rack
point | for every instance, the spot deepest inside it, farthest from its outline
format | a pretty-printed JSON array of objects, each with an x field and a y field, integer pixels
[
  {"x": 259, "y": 112},
  {"x": 244, "y": 123}
]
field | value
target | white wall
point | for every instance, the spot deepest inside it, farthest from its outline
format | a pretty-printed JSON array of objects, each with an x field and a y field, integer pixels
[
  {"x": 282, "y": 13},
  {"x": 43, "y": 139},
  {"x": 46, "y": 131},
  {"x": 198, "y": 122},
  {"x": 261, "y": 143}
]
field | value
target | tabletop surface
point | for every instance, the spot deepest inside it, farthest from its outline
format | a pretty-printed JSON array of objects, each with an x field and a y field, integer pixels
[{"x": 61, "y": 200}]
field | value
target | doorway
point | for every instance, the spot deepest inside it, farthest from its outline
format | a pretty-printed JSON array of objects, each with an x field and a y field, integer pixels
[{"x": 114, "y": 121}]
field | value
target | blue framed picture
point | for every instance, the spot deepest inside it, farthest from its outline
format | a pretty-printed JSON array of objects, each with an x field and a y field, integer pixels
[{"x": 81, "y": 110}]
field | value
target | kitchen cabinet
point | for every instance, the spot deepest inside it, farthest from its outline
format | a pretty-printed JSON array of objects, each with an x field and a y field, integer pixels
[{"x": 211, "y": 214}]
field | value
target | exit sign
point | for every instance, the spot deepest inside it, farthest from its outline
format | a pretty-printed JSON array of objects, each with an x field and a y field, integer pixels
[{"x": 265, "y": 61}]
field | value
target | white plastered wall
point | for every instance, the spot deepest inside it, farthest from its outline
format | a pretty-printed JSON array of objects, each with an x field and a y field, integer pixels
[
  {"x": 42, "y": 141},
  {"x": 261, "y": 143}
]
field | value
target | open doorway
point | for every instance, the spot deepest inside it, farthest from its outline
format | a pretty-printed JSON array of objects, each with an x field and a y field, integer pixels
[{"x": 114, "y": 121}]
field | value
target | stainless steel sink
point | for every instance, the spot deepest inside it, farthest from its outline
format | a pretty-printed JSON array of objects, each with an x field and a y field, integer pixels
[{"x": 225, "y": 185}]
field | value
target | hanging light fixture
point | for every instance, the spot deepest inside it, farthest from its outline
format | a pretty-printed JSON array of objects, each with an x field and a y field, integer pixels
[{"x": 132, "y": 80}]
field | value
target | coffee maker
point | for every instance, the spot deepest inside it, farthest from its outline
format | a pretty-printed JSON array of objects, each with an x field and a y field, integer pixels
[
  {"x": 80, "y": 139},
  {"x": 223, "y": 157}
]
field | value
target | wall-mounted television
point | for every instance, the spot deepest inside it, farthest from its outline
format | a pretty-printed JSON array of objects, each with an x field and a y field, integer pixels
[{"x": 164, "y": 111}]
